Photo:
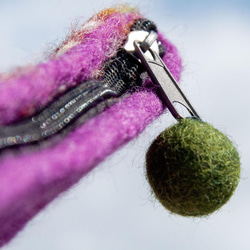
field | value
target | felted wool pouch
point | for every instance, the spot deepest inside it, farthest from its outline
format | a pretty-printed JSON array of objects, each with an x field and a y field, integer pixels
[{"x": 31, "y": 177}]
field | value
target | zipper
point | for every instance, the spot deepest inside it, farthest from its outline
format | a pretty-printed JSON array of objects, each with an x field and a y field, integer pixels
[
  {"x": 142, "y": 52},
  {"x": 121, "y": 73}
]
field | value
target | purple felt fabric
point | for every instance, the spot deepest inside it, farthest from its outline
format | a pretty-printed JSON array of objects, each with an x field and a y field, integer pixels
[
  {"x": 29, "y": 181},
  {"x": 37, "y": 85}
]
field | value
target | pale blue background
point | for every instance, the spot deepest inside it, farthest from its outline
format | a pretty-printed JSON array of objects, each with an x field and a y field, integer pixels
[{"x": 111, "y": 208}]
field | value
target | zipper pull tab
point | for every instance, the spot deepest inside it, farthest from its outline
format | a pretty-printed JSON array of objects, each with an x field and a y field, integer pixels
[{"x": 161, "y": 76}]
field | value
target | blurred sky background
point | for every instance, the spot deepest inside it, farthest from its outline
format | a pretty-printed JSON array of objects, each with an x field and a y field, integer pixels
[{"x": 112, "y": 208}]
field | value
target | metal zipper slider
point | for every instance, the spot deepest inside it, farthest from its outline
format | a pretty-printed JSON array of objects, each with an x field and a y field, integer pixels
[{"x": 161, "y": 76}]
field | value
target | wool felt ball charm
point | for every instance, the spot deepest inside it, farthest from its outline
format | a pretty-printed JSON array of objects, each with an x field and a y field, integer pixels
[{"x": 193, "y": 168}]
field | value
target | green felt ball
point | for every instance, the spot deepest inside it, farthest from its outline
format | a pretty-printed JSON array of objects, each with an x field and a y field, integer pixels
[{"x": 192, "y": 168}]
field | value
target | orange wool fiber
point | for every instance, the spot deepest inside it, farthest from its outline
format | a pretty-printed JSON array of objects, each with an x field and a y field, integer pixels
[{"x": 79, "y": 33}]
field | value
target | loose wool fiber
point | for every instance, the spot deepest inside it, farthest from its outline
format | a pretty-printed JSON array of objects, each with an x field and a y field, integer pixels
[{"x": 193, "y": 168}]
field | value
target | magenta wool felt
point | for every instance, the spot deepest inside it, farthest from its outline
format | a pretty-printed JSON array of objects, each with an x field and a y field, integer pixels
[{"x": 30, "y": 180}]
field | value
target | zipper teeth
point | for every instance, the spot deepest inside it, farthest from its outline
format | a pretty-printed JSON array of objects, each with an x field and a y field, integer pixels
[
  {"x": 121, "y": 74},
  {"x": 57, "y": 116},
  {"x": 144, "y": 24}
]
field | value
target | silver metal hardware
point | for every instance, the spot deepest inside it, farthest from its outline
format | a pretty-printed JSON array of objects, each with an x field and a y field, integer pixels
[{"x": 148, "y": 55}]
